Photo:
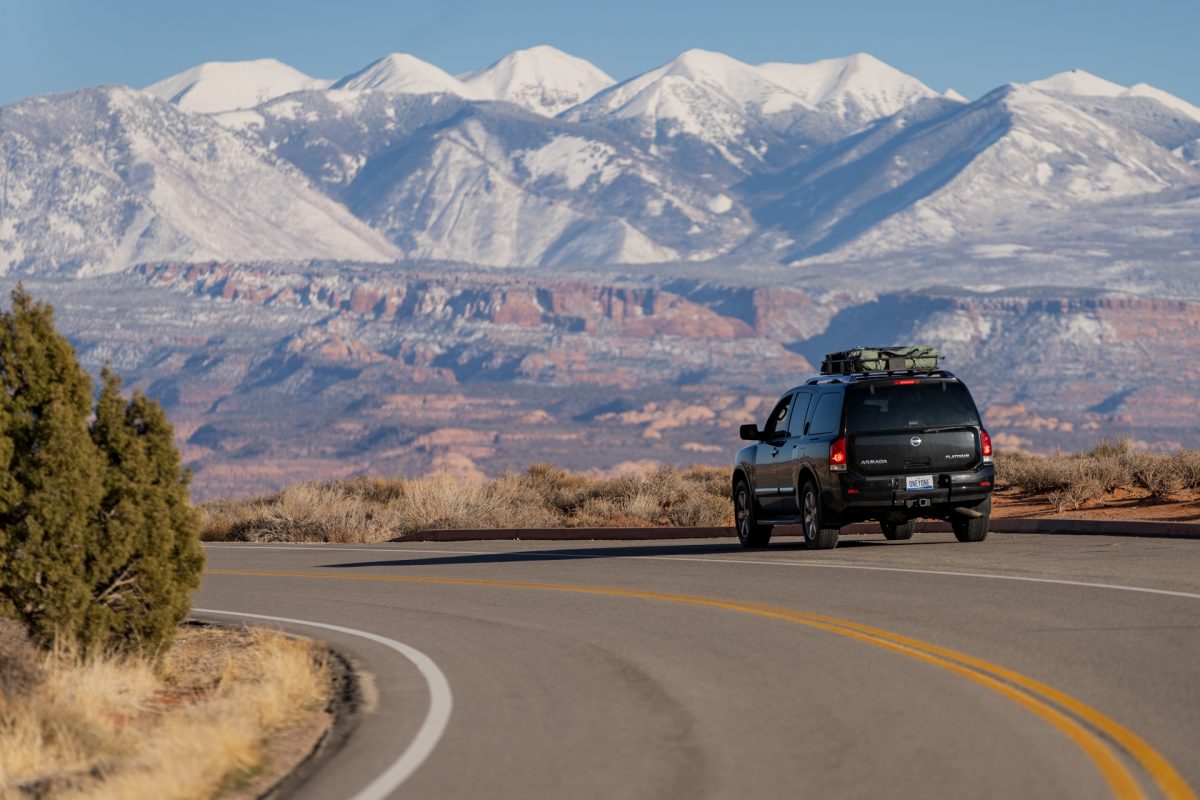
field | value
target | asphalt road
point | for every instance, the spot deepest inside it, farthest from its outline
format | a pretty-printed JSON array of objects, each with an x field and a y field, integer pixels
[{"x": 697, "y": 669}]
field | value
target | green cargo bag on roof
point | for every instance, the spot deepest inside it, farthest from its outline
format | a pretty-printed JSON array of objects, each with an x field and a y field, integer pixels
[{"x": 916, "y": 358}]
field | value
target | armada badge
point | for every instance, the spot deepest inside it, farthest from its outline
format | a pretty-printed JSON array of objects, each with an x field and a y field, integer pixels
[{"x": 915, "y": 441}]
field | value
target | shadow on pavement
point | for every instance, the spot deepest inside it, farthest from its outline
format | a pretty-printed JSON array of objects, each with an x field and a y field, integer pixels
[{"x": 624, "y": 551}]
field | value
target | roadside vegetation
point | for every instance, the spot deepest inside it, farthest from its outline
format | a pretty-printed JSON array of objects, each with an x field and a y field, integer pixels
[
  {"x": 1070, "y": 482},
  {"x": 103, "y": 691},
  {"x": 188, "y": 725},
  {"x": 363, "y": 510},
  {"x": 544, "y": 496}
]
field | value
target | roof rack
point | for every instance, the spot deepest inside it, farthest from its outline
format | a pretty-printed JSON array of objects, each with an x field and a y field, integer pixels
[
  {"x": 896, "y": 358},
  {"x": 862, "y": 376}
]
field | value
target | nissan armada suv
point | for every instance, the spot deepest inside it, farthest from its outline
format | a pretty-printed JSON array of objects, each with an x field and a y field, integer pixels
[{"x": 882, "y": 445}]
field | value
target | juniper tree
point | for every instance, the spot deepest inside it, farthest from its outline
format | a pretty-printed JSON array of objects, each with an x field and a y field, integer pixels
[
  {"x": 146, "y": 558},
  {"x": 50, "y": 473},
  {"x": 98, "y": 542}
]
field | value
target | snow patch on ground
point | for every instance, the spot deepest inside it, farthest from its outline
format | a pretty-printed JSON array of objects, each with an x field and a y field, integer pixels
[
  {"x": 989, "y": 251},
  {"x": 720, "y": 204},
  {"x": 572, "y": 160}
]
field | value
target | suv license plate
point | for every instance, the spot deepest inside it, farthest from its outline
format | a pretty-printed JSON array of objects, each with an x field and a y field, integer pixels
[{"x": 920, "y": 482}]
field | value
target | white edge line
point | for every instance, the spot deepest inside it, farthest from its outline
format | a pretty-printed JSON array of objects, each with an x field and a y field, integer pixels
[
  {"x": 441, "y": 702},
  {"x": 1023, "y": 578}
]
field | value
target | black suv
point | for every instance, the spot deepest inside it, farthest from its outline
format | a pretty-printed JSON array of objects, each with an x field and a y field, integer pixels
[{"x": 874, "y": 446}]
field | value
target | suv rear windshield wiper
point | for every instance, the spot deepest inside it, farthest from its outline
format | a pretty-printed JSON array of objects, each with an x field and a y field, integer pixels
[{"x": 947, "y": 428}]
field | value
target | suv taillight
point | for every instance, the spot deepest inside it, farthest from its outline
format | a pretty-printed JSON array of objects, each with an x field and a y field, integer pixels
[
  {"x": 837, "y": 454},
  {"x": 985, "y": 442}
]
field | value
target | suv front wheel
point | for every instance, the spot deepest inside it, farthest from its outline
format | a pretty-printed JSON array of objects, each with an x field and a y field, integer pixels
[
  {"x": 816, "y": 535},
  {"x": 749, "y": 532}
]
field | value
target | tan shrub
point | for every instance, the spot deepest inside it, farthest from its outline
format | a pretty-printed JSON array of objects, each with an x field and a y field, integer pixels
[
  {"x": 1035, "y": 474},
  {"x": 1187, "y": 466},
  {"x": 1083, "y": 489},
  {"x": 1111, "y": 471},
  {"x": 1156, "y": 473},
  {"x": 1111, "y": 448}
]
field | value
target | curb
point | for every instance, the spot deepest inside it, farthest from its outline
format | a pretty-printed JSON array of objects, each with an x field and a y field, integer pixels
[{"x": 1070, "y": 527}]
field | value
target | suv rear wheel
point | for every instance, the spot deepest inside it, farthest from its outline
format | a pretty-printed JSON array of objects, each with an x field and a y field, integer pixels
[
  {"x": 897, "y": 531},
  {"x": 749, "y": 532},
  {"x": 972, "y": 529},
  {"x": 816, "y": 535}
]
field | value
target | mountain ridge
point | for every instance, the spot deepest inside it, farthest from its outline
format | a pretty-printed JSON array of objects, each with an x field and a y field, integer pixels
[{"x": 703, "y": 158}]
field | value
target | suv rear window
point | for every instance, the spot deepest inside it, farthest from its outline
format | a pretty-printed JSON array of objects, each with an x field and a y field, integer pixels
[{"x": 928, "y": 404}]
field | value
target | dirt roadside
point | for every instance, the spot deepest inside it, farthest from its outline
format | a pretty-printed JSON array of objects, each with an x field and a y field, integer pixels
[{"x": 1121, "y": 505}]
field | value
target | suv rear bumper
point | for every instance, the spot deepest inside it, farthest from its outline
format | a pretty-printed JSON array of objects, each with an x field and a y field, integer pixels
[{"x": 855, "y": 497}]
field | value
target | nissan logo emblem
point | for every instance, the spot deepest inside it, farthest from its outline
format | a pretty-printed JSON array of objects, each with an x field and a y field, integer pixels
[{"x": 915, "y": 441}]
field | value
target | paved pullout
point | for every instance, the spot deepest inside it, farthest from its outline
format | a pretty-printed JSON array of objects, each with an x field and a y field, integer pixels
[{"x": 916, "y": 669}]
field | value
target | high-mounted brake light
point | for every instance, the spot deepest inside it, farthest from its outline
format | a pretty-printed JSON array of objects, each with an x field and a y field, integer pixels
[
  {"x": 837, "y": 455},
  {"x": 985, "y": 441},
  {"x": 904, "y": 382}
]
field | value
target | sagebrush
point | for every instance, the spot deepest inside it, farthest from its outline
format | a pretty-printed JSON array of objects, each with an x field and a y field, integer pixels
[
  {"x": 544, "y": 496},
  {"x": 1071, "y": 481}
]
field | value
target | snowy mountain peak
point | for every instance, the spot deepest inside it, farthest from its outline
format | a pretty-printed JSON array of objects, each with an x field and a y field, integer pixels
[
  {"x": 1078, "y": 82},
  {"x": 710, "y": 67},
  {"x": 229, "y": 85},
  {"x": 406, "y": 74},
  {"x": 543, "y": 79},
  {"x": 875, "y": 88},
  {"x": 670, "y": 90}
]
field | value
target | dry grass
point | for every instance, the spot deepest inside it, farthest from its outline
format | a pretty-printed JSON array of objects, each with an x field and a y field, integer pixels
[
  {"x": 378, "y": 509},
  {"x": 373, "y": 510},
  {"x": 186, "y": 728},
  {"x": 1073, "y": 481}
]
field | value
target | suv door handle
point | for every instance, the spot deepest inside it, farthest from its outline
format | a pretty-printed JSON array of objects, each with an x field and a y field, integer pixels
[{"x": 774, "y": 451}]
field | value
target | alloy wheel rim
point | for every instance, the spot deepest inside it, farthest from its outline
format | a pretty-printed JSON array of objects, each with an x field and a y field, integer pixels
[
  {"x": 810, "y": 514},
  {"x": 743, "y": 513}
]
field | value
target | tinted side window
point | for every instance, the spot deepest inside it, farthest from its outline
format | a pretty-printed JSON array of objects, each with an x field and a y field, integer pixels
[
  {"x": 778, "y": 421},
  {"x": 800, "y": 413},
  {"x": 828, "y": 415}
]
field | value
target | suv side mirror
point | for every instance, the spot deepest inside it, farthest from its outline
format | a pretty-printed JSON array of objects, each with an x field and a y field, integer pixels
[{"x": 750, "y": 432}]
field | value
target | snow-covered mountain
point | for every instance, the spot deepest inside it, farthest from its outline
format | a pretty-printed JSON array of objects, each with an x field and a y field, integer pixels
[
  {"x": 401, "y": 73},
  {"x": 229, "y": 85},
  {"x": 541, "y": 159},
  {"x": 543, "y": 79},
  {"x": 703, "y": 108},
  {"x": 716, "y": 112},
  {"x": 491, "y": 183},
  {"x": 98, "y": 179},
  {"x": 858, "y": 88},
  {"x": 1016, "y": 161}
]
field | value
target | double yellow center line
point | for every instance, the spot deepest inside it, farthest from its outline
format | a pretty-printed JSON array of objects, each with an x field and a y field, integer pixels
[{"x": 1061, "y": 710}]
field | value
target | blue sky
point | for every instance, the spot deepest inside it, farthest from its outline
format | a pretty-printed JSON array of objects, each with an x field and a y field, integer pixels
[{"x": 56, "y": 45}]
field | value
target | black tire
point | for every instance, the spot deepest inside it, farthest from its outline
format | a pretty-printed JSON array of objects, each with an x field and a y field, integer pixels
[
  {"x": 898, "y": 531},
  {"x": 750, "y": 532},
  {"x": 967, "y": 529},
  {"x": 817, "y": 535}
]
